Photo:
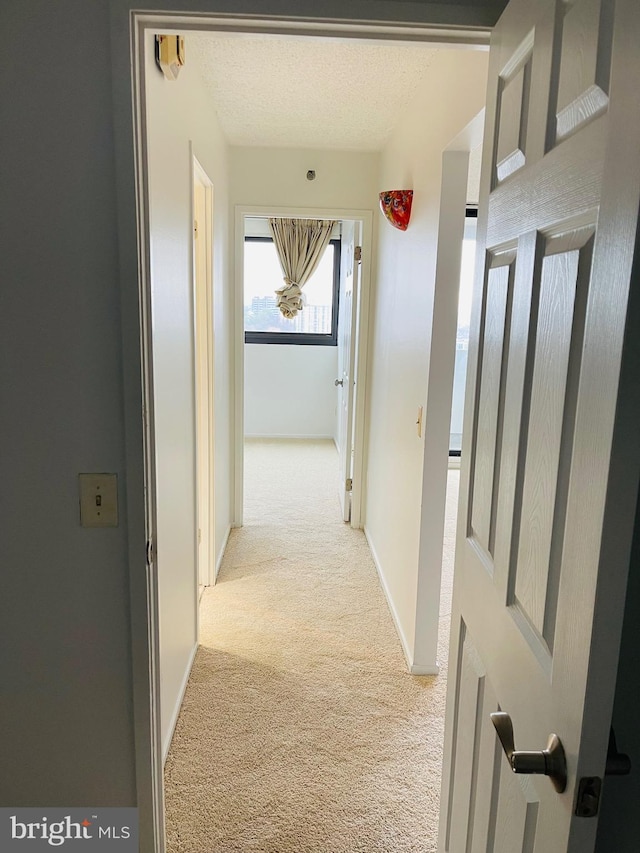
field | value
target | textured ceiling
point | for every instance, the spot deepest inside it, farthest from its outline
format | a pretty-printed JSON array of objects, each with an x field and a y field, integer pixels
[{"x": 305, "y": 92}]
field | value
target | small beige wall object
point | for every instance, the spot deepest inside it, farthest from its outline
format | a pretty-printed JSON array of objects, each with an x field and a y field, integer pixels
[{"x": 170, "y": 55}]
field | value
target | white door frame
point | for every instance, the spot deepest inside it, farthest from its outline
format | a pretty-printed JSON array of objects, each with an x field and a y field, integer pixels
[
  {"x": 365, "y": 217},
  {"x": 347, "y": 340},
  {"x": 198, "y": 173},
  {"x": 437, "y": 412},
  {"x": 128, "y": 28}
]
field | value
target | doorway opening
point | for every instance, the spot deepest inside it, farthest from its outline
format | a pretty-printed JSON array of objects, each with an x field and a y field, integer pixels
[
  {"x": 228, "y": 345},
  {"x": 304, "y": 379},
  {"x": 290, "y": 357}
]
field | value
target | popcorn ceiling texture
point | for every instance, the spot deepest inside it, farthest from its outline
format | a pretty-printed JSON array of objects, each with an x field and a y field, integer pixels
[
  {"x": 308, "y": 92},
  {"x": 301, "y": 729}
]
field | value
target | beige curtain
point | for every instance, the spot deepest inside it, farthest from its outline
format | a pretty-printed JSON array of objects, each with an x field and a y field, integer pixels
[{"x": 300, "y": 244}]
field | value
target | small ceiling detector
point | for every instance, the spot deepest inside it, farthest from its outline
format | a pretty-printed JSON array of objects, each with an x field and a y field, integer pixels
[
  {"x": 311, "y": 175},
  {"x": 170, "y": 55}
]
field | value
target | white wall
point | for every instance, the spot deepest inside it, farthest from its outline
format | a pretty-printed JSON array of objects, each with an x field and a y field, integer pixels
[
  {"x": 177, "y": 113},
  {"x": 263, "y": 177},
  {"x": 277, "y": 176},
  {"x": 289, "y": 390},
  {"x": 403, "y": 325}
]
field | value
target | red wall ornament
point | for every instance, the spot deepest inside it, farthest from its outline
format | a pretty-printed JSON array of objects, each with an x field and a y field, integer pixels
[{"x": 396, "y": 206}]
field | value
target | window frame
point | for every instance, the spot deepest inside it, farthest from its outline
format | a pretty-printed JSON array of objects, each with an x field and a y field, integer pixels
[{"x": 301, "y": 338}]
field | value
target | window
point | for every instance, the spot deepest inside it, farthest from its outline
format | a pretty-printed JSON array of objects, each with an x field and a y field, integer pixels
[
  {"x": 462, "y": 336},
  {"x": 317, "y": 323}
]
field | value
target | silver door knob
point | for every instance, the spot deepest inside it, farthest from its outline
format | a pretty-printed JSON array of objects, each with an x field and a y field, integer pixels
[
  {"x": 549, "y": 762},
  {"x": 339, "y": 382}
]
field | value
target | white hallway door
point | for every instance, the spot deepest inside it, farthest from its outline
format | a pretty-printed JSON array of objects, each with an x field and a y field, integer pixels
[
  {"x": 550, "y": 455},
  {"x": 347, "y": 333}
]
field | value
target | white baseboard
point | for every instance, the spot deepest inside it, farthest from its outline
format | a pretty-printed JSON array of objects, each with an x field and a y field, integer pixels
[
  {"x": 221, "y": 554},
  {"x": 383, "y": 583},
  {"x": 297, "y": 437},
  {"x": 174, "y": 717},
  {"x": 425, "y": 670}
]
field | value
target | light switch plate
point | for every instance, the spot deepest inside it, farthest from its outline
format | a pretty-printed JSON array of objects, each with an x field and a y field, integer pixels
[{"x": 98, "y": 500}]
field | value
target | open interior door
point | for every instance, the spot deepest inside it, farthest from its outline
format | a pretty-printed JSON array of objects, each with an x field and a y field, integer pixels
[
  {"x": 347, "y": 320},
  {"x": 550, "y": 449}
]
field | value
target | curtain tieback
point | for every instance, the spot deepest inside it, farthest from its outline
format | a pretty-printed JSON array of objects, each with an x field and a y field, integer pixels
[{"x": 289, "y": 299}]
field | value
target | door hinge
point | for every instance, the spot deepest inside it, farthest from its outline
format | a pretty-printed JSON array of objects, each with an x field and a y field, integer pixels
[
  {"x": 195, "y": 227},
  {"x": 588, "y": 800},
  {"x": 357, "y": 254},
  {"x": 348, "y": 484},
  {"x": 151, "y": 554},
  {"x": 199, "y": 536}
]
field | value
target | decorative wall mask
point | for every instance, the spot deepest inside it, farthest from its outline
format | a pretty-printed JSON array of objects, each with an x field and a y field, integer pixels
[{"x": 396, "y": 206}]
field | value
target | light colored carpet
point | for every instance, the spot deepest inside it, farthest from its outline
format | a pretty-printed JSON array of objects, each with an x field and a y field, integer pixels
[{"x": 301, "y": 730}]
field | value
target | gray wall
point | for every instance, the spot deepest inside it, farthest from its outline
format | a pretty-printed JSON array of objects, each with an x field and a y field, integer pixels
[{"x": 65, "y": 683}]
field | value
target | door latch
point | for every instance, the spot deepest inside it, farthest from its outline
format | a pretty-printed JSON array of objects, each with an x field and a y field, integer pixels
[
  {"x": 590, "y": 787},
  {"x": 588, "y": 800}
]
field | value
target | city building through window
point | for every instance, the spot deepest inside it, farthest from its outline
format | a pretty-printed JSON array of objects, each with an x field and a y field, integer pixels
[{"x": 317, "y": 323}]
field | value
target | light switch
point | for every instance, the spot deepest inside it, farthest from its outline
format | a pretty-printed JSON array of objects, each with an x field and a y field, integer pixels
[
  {"x": 98, "y": 500},
  {"x": 419, "y": 422}
]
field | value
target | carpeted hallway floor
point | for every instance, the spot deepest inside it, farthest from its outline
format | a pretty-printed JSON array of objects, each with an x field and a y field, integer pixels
[{"x": 301, "y": 730}]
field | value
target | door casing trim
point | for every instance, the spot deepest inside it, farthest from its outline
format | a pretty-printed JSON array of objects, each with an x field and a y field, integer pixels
[{"x": 128, "y": 27}]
